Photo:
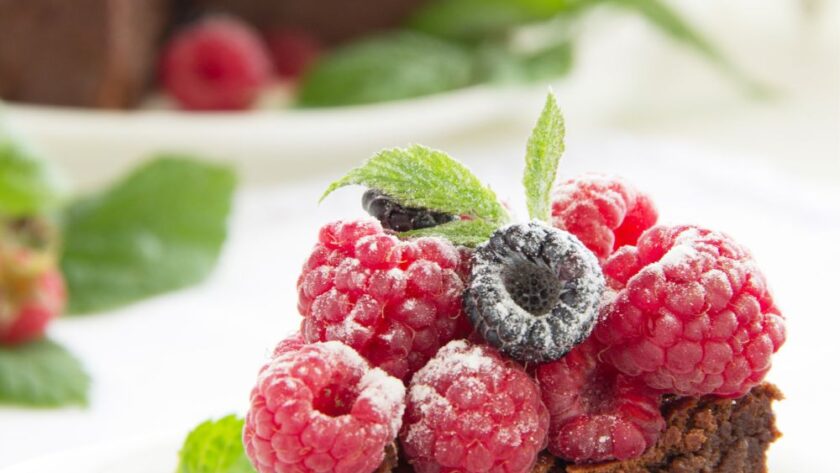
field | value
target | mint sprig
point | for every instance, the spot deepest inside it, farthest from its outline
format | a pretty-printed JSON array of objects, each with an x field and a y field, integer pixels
[
  {"x": 215, "y": 447},
  {"x": 159, "y": 229},
  {"x": 545, "y": 147},
  {"x": 422, "y": 177},
  {"x": 41, "y": 374}
]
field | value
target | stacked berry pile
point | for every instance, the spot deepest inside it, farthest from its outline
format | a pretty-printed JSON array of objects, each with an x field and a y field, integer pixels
[{"x": 476, "y": 343}]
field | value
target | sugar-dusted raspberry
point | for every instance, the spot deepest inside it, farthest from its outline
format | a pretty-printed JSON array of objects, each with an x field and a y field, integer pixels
[
  {"x": 396, "y": 302},
  {"x": 597, "y": 414},
  {"x": 471, "y": 411},
  {"x": 604, "y": 212},
  {"x": 322, "y": 409},
  {"x": 694, "y": 315},
  {"x": 534, "y": 291},
  {"x": 293, "y": 343},
  {"x": 292, "y": 51},
  {"x": 219, "y": 63}
]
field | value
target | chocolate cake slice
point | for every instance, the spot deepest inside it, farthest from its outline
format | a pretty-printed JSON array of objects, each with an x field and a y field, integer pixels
[
  {"x": 706, "y": 435},
  {"x": 88, "y": 53}
]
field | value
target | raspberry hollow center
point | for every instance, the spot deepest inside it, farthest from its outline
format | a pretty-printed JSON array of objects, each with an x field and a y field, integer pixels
[
  {"x": 334, "y": 400},
  {"x": 532, "y": 286}
]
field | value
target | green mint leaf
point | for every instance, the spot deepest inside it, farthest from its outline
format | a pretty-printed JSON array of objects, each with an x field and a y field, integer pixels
[
  {"x": 469, "y": 233},
  {"x": 28, "y": 185},
  {"x": 387, "y": 67},
  {"x": 160, "y": 229},
  {"x": 472, "y": 20},
  {"x": 215, "y": 447},
  {"x": 545, "y": 146},
  {"x": 426, "y": 178},
  {"x": 41, "y": 374}
]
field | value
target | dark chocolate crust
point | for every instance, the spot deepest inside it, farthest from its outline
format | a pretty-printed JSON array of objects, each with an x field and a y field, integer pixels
[{"x": 706, "y": 435}]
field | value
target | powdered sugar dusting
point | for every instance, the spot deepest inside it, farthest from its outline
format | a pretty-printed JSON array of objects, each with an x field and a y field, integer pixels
[
  {"x": 456, "y": 357},
  {"x": 386, "y": 394}
]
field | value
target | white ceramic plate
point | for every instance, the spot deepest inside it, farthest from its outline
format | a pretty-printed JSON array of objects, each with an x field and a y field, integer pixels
[{"x": 95, "y": 145}]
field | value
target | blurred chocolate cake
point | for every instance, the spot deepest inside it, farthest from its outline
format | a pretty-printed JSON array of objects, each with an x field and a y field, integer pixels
[
  {"x": 102, "y": 53},
  {"x": 86, "y": 53}
]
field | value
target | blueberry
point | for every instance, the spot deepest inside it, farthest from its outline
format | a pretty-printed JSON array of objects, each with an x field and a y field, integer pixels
[
  {"x": 394, "y": 216},
  {"x": 534, "y": 291}
]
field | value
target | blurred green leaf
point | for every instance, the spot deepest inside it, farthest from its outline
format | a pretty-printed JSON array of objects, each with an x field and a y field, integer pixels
[
  {"x": 675, "y": 26},
  {"x": 215, "y": 447},
  {"x": 41, "y": 374},
  {"x": 550, "y": 63},
  {"x": 28, "y": 185},
  {"x": 670, "y": 23},
  {"x": 388, "y": 67},
  {"x": 478, "y": 19},
  {"x": 160, "y": 229},
  {"x": 496, "y": 63}
]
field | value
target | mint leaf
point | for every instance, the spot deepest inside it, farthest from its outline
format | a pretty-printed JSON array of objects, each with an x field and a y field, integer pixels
[
  {"x": 387, "y": 67},
  {"x": 478, "y": 19},
  {"x": 426, "y": 178},
  {"x": 215, "y": 447},
  {"x": 28, "y": 185},
  {"x": 160, "y": 229},
  {"x": 41, "y": 374},
  {"x": 469, "y": 233},
  {"x": 545, "y": 146}
]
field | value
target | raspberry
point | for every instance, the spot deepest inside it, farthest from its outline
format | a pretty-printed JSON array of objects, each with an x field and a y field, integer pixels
[
  {"x": 396, "y": 302},
  {"x": 32, "y": 291},
  {"x": 293, "y": 343},
  {"x": 322, "y": 409},
  {"x": 534, "y": 291},
  {"x": 469, "y": 410},
  {"x": 605, "y": 212},
  {"x": 218, "y": 63},
  {"x": 394, "y": 216},
  {"x": 692, "y": 316},
  {"x": 597, "y": 414},
  {"x": 292, "y": 51}
]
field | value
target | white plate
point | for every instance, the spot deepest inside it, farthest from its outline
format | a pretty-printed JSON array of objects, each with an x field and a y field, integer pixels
[{"x": 95, "y": 144}]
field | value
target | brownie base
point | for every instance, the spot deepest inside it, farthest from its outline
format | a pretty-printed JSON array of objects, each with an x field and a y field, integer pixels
[{"x": 705, "y": 435}]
